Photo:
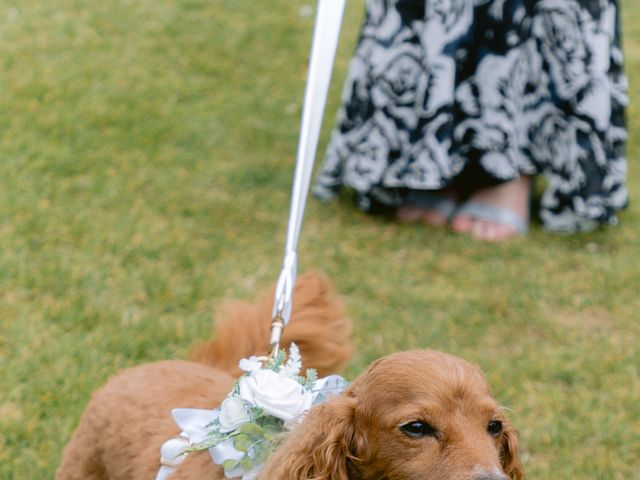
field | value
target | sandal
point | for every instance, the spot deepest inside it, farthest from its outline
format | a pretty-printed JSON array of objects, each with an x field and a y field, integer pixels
[{"x": 494, "y": 214}]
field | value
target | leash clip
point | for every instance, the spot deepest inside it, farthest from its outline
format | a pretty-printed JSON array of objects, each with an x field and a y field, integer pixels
[{"x": 282, "y": 306}]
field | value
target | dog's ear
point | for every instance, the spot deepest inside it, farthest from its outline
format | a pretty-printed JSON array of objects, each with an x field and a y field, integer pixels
[
  {"x": 321, "y": 447},
  {"x": 509, "y": 454}
]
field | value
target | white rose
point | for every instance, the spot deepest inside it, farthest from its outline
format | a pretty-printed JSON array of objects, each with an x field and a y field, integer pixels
[
  {"x": 233, "y": 413},
  {"x": 276, "y": 394}
]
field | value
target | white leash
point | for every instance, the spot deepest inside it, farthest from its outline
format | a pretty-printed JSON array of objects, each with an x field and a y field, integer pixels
[{"x": 323, "y": 50}]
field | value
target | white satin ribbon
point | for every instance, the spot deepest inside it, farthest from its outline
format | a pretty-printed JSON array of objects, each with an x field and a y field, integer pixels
[{"x": 193, "y": 423}]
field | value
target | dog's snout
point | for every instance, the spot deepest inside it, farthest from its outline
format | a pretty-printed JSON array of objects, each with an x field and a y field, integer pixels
[{"x": 490, "y": 476}]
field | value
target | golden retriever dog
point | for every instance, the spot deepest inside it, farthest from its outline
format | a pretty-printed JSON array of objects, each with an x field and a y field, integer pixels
[{"x": 413, "y": 415}]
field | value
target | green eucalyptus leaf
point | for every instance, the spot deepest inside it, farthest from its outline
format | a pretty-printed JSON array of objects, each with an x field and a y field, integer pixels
[
  {"x": 242, "y": 443},
  {"x": 246, "y": 463},
  {"x": 230, "y": 464},
  {"x": 262, "y": 453},
  {"x": 252, "y": 430},
  {"x": 271, "y": 422}
]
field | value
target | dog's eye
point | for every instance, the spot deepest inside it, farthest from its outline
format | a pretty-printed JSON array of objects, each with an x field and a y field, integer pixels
[
  {"x": 419, "y": 429},
  {"x": 494, "y": 428}
]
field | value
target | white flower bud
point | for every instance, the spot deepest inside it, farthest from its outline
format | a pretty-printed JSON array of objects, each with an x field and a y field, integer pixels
[
  {"x": 250, "y": 364},
  {"x": 233, "y": 413}
]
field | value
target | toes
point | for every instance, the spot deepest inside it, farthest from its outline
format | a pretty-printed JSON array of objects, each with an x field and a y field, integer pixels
[
  {"x": 492, "y": 232},
  {"x": 481, "y": 230},
  {"x": 462, "y": 224},
  {"x": 412, "y": 214},
  {"x": 408, "y": 214},
  {"x": 434, "y": 218}
]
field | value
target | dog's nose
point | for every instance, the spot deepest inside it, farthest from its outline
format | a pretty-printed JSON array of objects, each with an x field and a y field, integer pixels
[{"x": 490, "y": 476}]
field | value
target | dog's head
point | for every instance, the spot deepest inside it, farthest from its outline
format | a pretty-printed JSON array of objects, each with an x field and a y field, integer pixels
[
  {"x": 413, "y": 415},
  {"x": 428, "y": 415}
]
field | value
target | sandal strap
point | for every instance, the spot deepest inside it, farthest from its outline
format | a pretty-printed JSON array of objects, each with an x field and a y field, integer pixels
[{"x": 492, "y": 213}]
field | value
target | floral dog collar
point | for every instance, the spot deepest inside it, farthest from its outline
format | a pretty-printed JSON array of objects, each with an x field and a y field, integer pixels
[{"x": 243, "y": 431}]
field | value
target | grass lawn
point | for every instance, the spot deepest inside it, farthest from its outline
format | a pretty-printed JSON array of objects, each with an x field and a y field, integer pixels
[{"x": 146, "y": 153}]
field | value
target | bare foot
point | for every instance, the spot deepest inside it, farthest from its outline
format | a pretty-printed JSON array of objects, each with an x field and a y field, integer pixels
[
  {"x": 511, "y": 196},
  {"x": 431, "y": 207}
]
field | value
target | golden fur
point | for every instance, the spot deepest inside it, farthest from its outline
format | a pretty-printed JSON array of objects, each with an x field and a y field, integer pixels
[{"x": 356, "y": 435}]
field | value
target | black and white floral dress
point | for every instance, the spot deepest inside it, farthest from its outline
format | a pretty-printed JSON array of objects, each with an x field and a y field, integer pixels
[{"x": 499, "y": 88}]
